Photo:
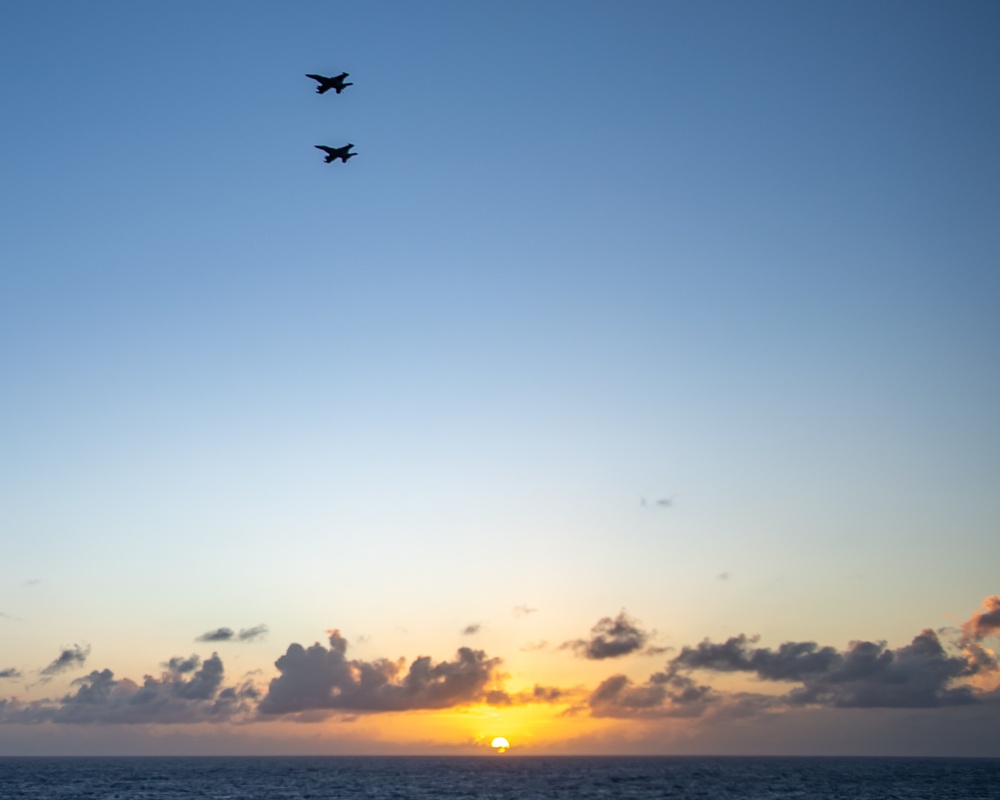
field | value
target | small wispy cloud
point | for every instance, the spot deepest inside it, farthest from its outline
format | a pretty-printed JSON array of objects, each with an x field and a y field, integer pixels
[
  {"x": 523, "y": 611},
  {"x": 229, "y": 635},
  {"x": 537, "y": 694},
  {"x": 663, "y": 502},
  {"x": 471, "y": 630},
  {"x": 218, "y": 635},
  {"x": 69, "y": 658}
]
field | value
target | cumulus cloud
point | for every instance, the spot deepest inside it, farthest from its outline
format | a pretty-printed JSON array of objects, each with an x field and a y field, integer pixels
[
  {"x": 10, "y": 672},
  {"x": 985, "y": 621},
  {"x": 612, "y": 638},
  {"x": 228, "y": 635},
  {"x": 321, "y": 679},
  {"x": 922, "y": 674},
  {"x": 179, "y": 665},
  {"x": 870, "y": 675},
  {"x": 188, "y": 691},
  {"x": 865, "y": 675},
  {"x": 69, "y": 658},
  {"x": 665, "y": 694},
  {"x": 927, "y": 673}
]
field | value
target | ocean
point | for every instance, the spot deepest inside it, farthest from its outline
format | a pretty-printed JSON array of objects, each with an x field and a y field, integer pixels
[{"x": 486, "y": 778}]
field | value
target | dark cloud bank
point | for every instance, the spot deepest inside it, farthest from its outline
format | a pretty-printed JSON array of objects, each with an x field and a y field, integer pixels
[{"x": 320, "y": 681}]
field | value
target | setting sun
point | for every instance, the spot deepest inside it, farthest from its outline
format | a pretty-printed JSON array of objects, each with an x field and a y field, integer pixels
[{"x": 500, "y": 744}]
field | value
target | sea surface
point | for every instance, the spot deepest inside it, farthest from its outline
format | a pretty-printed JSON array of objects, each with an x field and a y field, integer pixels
[{"x": 523, "y": 778}]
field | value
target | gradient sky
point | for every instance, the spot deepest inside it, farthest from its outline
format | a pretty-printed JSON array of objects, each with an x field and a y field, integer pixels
[{"x": 739, "y": 258}]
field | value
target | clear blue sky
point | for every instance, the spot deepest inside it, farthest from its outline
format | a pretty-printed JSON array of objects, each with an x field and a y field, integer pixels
[{"x": 744, "y": 256}]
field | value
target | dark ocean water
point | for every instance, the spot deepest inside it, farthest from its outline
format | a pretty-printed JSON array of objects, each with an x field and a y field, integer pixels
[{"x": 524, "y": 778}]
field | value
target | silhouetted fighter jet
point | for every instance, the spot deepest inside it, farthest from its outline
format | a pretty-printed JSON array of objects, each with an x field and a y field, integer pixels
[
  {"x": 333, "y": 153},
  {"x": 326, "y": 84}
]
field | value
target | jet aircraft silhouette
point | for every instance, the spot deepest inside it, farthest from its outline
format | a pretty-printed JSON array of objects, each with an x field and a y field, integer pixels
[
  {"x": 326, "y": 84},
  {"x": 333, "y": 153}
]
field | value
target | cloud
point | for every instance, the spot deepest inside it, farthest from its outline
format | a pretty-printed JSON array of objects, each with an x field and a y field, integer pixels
[
  {"x": 612, "y": 638},
  {"x": 869, "y": 675},
  {"x": 180, "y": 666},
  {"x": 531, "y": 647},
  {"x": 218, "y": 635},
  {"x": 324, "y": 680},
  {"x": 722, "y": 576},
  {"x": 663, "y": 502},
  {"x": 249, "y": 634},
  {"x": 537, "y": 694},
  {"x": 985, "y": 621},
  {"x": 865, "y": 675},
  {"x": 227, "y": 634},
  {"x": 924, "y": 674},
  {"x": 470, "y": 630},
  {"x": 523, "y": 611},
  {"x": 189, "y": 691},
  {"x": 791, "y": 661},
  {"x": 797, "y": 677},
  {"x": 69, "y": 658},
  {"x": 665, "y": 694}
]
